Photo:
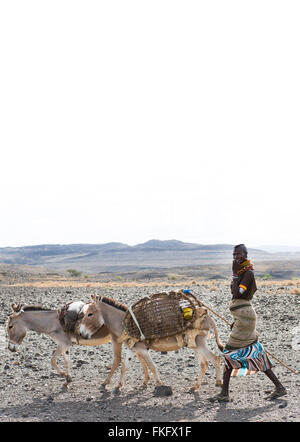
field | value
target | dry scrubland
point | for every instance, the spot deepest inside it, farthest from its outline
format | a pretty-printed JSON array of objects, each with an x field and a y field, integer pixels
[{"x": 30, "y": 390}]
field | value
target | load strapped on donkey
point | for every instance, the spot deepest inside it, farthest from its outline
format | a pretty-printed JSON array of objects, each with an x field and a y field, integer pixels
[{"x": 163, "y": 315}]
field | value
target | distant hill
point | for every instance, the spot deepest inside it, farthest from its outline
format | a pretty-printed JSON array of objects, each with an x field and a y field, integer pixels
[
  {"x": 155, "y": 244},
  {"x": 115, "y": 256}
]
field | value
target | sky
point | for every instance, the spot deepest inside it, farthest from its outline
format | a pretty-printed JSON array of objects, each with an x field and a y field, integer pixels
[{"x": 135, "y": 120}]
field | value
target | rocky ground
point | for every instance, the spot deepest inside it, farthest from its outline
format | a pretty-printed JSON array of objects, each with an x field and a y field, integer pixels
[{"x": 30, "y": 390}]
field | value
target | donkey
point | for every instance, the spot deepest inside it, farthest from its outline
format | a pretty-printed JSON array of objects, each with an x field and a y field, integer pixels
[
  {"x": 110, "y": 313},
  {"x": 43, "y": 320}
]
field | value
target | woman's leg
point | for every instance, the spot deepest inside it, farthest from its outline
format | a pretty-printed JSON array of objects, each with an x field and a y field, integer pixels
[
  {"x": 280, "y": 390},
  {"x": 226, "y": 379},
  {"x": 224, "y": 395}
]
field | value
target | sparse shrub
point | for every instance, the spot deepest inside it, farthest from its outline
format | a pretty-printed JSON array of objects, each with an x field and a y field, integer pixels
[
  {"x": 173, "y": 277},
  {"x": 74, "y": 272},
  {"x": 267, "y": 276}
]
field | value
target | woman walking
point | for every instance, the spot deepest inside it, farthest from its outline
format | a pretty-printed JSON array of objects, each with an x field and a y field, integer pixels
[{"x": 243, "y": 353}]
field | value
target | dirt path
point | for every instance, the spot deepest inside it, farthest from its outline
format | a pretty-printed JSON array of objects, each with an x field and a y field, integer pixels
[{"x": 30, "y": 390}]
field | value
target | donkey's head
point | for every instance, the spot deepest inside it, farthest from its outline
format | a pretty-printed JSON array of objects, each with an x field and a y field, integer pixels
[
  {"x": 91, "y": 320},
  {"x": 16, "y": 330}
]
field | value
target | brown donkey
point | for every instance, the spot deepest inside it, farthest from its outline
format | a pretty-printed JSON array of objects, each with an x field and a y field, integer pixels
[{"x": 110, "y": 313}]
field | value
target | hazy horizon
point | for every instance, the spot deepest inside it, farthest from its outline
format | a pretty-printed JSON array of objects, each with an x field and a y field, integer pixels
[{"x": 276, "y": 247}]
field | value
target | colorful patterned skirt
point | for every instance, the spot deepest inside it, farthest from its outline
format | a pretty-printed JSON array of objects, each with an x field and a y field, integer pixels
[{"x": 247, "y": 360}]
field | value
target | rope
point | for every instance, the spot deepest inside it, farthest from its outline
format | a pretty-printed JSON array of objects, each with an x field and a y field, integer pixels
[{"x": 136, "y": 322}]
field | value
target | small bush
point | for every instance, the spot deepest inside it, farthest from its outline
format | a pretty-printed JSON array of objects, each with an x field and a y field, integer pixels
[
  {"x": 74, "y": 272},
  {"x": 173, "y": 277},
  {"x": 267, "y": 276}
]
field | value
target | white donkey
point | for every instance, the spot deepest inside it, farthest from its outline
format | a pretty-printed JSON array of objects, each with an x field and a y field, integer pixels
[{"x": 43, "y": 320}]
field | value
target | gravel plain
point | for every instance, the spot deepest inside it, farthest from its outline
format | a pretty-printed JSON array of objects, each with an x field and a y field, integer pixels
[{"x": 30, "y": 390}]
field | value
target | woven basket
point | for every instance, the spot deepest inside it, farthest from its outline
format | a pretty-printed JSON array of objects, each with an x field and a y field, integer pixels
[{"x": 161, "y": 315}]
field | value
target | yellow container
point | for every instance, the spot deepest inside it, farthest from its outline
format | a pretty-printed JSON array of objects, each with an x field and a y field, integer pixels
[{"x": 187, "y": 313}]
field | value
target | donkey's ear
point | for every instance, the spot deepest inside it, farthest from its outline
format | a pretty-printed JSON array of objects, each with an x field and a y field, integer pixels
[
  {"x": 96, "y": 299},
  {"x": 16, "y": 307},
  {"x": 93, "y": 298}
]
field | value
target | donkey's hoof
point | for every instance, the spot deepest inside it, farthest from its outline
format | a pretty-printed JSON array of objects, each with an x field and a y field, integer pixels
[
  {"x": 117, "y": 390},
  {"x": 68, "y": 379},
  {"x": 219, "y": 384}
]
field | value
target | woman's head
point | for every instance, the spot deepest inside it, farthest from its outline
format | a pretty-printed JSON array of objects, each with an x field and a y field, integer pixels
[{"x": 240, "y": 253}]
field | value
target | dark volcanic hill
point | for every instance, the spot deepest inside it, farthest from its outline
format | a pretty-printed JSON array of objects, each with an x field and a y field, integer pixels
[{"x": 117, "y": 256}]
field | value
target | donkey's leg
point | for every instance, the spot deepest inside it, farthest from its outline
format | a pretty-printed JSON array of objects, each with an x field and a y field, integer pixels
[
  {"x": 63, "y": 347},
  {"x": 210, "y": 356},
  {"x": 142, "y": 351},
  {"x": 203, "y": 364},
  {"x": 125, "y": 365},
  {"x": 117, "y": 350},
  {"x": 142, "y": 354},
  {"x": 145, "y": 369},
  {"x": 56, "y": 353},
  {"x": 67, "y": 361}
]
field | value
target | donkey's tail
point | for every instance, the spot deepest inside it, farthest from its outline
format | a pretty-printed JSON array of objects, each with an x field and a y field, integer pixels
[{"x": 213, "y": 325}]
